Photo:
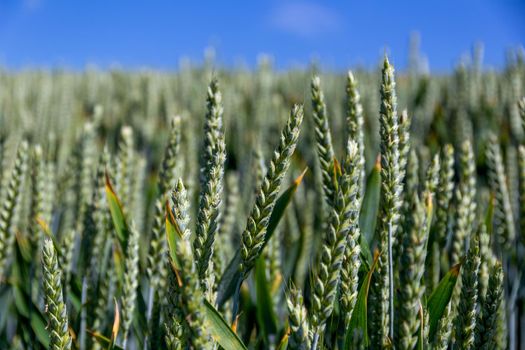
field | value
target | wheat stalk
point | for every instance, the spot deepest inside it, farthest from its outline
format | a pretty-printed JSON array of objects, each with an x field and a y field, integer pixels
[
  {"x": 389, "y": 210},
  {"x": 253, "y": 235},
  {"x": 323, "y": 138},
  {"x": 343, "y": 219},
  {"x": 11, "y": 206},
  {"x": 210, "y": 198},
  {"x": 59, "y": 337}
]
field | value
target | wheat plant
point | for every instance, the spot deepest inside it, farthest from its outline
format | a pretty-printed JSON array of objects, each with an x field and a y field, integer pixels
[{"x": 154, "y": 210}]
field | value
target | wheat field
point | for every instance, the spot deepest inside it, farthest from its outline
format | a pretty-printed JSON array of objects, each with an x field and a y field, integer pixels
[{"x": 233, "y": 209}]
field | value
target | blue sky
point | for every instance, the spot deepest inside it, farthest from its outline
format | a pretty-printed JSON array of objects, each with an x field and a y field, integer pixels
[{"x": 338, "y": 34}]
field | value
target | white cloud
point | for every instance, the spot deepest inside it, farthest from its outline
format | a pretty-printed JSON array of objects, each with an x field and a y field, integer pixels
[
  {"x": 304, "y": 19},
  {"x": 32, "y": 5}
]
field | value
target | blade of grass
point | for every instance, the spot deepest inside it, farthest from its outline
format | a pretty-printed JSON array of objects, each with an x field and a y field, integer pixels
[
  {"x": 220, "y": 330},
  {"x": 440, "y": 298},
  {"x": 358, "y": 322}
]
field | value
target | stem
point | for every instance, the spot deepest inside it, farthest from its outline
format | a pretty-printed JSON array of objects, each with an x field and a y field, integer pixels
[
  {"x": 391, "y": 284},
  {"x": 513, "y": 296},
  {"x": 148, "y": 315},
  {"x": 236, "y": 297},
  {"x": 83, "y": 315},
  {"x": 31, "y": 277},
  {"x": 315, "y": 341}
]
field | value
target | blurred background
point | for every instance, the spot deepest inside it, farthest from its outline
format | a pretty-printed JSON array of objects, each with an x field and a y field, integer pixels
[{"x": 336, "y": 34}]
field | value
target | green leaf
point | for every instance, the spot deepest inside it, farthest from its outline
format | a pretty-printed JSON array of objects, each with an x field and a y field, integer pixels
[
  {"x": 280, "y": 206},
  {"x": 265, "y": 307},
  {"x": 440, "y": 298},
  {"x": 39, "y": 327},
  {"x": 220, "y": 331},
  {"x": 370, "y": 207},
  {"x": 24, "y": 245},
  {"x": 117, "y": 214},
  {"x": 232, "y": 277},
  {"x": 366, "y": 255},
  {"x": 359, "y": 315},
  {"x": 28, "y": 311},
  {"x": 173, "y": 235}
]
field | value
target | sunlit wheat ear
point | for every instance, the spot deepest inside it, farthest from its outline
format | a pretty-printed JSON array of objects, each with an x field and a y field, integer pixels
[
  {"x": 157, "y": 263},
  {"x": 465, "y": 203},
  {"x": 211, "y": 183},
  {"x": 229, "y": 224},
  {"x": 167, "y": 173},
  {"x": 86, "y": 165},
  {"x": 521, "y": 108},
  {"x": 444, "y": 330},
  {"x": 157, "y": 244},
  {"x": 59, "y": 338},
  {"x": 176, "y": 327},
  {"x": 131, "y": 281},
  {"x": 323, "y": 140},
  {"x": 521, "y": 174},
  {"x": 411, "y": 190},
  {"x": 98, "y": 212},
  {"x": 503, "y": 214},
  {"x": 431, "y": 188},
  {"x": 351, "y": 259},
  {"x": 299, "y": 328},
  {"x": 343, "y": 221},
  {"x": 486, "y": 326},
  {"x": 175, "y": 337},
  {"x": 501, "y": 333},
  {"x": 404, "y": 142},
  {"x": 468, "y": 303},
  {"x": 412, "y": 176},
  {"x": 468, "y": 180},
  {"x": 487, "y": 260},
  {"x": 3, "y": 145},
  {"x": 390, "y": 205},
  {"x": 11, "y": 205},
  {"x": 432, "y": 177},
  {"x": 412, "y": 288},
  {"x": 38, "y": 183},
  {"x": 254, "y": 234},
  {"x": 444, "y": 192},
  {"x": 101, "y": 265},
  {"x": 409, "y": 176},
  {"x": 67, "y": 247},
  {"x": 355, "y": 121},
  {"x": 185, "y": 295},
  {"x": 125, "y": 165}
]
